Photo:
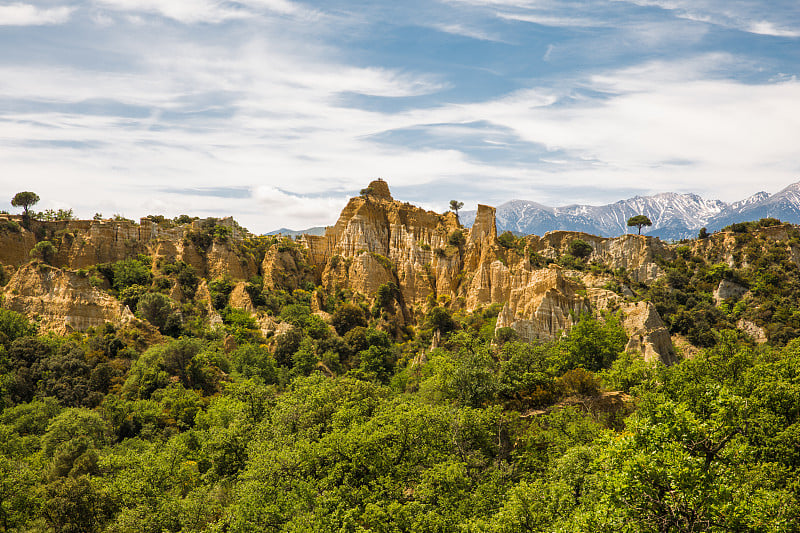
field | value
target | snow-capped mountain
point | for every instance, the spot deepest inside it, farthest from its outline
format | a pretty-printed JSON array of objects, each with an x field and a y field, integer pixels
[
  {"x": 783, "y": 205},
  {"x": 674, "y": 216}
]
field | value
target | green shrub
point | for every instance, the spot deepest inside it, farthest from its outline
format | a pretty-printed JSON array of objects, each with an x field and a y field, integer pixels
[
  {"x": 507, "y": 240},
  {"x": 580, "y": 249},
  {"x": 44, "y": 250},
  {"x": 457, "y": 238}
]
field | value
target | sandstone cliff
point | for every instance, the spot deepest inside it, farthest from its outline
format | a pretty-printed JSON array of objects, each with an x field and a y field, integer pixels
[
  {"x": 376, "y": 241},
  {"x": 61, "y": 301}
]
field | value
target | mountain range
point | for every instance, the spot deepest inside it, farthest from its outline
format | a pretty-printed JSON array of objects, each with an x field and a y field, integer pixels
[{"x": 675, "y": 216}]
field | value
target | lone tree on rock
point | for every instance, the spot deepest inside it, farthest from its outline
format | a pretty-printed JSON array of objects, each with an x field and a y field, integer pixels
[
  {"x": 455, "y": 205},
  {"x": 24, "y": 199},
  {"x": 639, "y": 221}
]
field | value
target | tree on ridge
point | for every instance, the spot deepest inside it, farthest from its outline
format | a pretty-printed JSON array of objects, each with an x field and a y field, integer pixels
[{"x": 639, "y": 221}]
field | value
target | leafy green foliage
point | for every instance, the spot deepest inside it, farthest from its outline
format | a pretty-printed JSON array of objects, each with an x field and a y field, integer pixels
[
  {"x": 157, "y": 309},
  {"x": 580, "y": 248},
  {"x": 639, "y": 221},
  {"x": 130, "y": 272},
  {"x": 13, "y": 325},
  {"x": 44, "y": 250},
  {"x": 456, "y": 238},
  {"x": 220, "y": 289},
  {"x": 507, "y": 240},
  {"x": 347, "y": 317},
  {"x": 25, "y": 199},
  {"x": 458, "y": 426},
  {"x": 208, "y": 232}
]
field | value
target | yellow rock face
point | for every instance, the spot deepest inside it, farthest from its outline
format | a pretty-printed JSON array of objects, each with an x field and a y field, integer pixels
[
  {"x": 62, "y": 301},
  {"x": 538, "y": 303},
  {"x": 376, "y": 241}
]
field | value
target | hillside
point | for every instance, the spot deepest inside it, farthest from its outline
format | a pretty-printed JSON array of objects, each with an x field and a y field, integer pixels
[{"x": 397, "y": 373}]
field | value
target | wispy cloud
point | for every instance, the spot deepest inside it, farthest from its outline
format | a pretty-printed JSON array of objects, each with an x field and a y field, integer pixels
[
  {"x": 467, "y": 31},
  {"x": 746, "y": 15},
  {"x": 550, "y": 20},
  {"x": 207, "y": 11},
  {"x": 276, "y": 111},
  {"x": 19, "y": 14}
]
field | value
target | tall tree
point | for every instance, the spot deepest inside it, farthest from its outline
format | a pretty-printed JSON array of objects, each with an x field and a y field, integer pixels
[
  {"x": 25, "y": 199},
  {"x": 639, "y": 221},
  {"x": 455, "y": 205}
]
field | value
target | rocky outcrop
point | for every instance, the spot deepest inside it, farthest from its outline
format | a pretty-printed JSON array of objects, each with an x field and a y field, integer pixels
[
  {"x": 758, "y": 334},
  {"x": 647, "y": 332},
  {"x": 240, "y": 298},
  {"x": 16, "y": 243},
  {"x": 728, "y": 289},
  {"x": 62, "y": 301},
  {"x": 543, "y": 304},
  {"x": 636, "y": 254},
  {"x": 378, "y": 241},
  {"x": 203, "y": 295},
  {"x": 83, "y": 243},
  {"x": 413, "y": 240},
  {"x": 284, "y": 268}
]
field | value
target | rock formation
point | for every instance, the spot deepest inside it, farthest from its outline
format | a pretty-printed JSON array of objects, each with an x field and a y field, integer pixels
[
  {"x": 377, "y": 241},
  {"x": 61, "y": 301}
]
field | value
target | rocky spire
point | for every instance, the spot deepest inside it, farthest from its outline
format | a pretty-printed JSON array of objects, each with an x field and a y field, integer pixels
[{"x": 379, "y": 189}]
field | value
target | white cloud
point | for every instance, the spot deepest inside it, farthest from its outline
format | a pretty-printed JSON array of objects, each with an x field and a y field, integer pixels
[
  {"x": 207, "y": 11},
  {"x": 730, "y": 132},
  {"x": 186, "y": 11},
  {"x": 272, "y": 115},
  {"x": 764, "y": 27},
  {"x": 467, "y": 31},
  {"x": 285, "y": 134},
  {"x": 19, "y": 14},
  {"x": 279, "y": 6},
  {"x": 544, "y": 19}
]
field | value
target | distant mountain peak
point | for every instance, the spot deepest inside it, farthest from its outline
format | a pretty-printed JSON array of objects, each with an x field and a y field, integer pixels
[{"x": 674, "y": 215}]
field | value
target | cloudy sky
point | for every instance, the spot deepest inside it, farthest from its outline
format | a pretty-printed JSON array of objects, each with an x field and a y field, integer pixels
[{"x": 277, "y": 111}]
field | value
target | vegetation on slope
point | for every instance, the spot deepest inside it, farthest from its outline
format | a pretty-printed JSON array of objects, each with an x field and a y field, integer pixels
[{"x": 361, "y": 421}]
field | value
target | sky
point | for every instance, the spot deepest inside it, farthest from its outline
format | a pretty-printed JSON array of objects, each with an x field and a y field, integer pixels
[{"x": 276, "y": 112}]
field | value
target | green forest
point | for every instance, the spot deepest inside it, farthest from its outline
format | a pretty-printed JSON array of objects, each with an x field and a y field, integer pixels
[{"x": 361, "y": 423}]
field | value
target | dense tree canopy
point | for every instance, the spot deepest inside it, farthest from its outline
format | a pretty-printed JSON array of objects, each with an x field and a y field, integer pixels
[
  {"x": 25, "y": 199},
  {"x": 639, "y": 221},
  {"x": 347, "y": 415}
]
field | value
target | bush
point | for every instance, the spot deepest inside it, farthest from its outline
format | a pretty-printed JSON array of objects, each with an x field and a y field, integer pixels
[
  {"x": 594, "y": 345},
  {"x": 10, "y": 225},
  {"x": 44, "y": 250},
  {"x": 13, "y": 326},
  {"x": 220, "y": 289},
  {"x": 130, "y": 272},
  {"x": 457, "y": 238},
  {"x": 580, "y": 248},
  {"x": 507, "y": 240},
  {"x": 347, "y": 317},
  {"x": 157, "y": 309},
  {"x": 579, "y": 381},
  {"x": 767, "y": 222},
  {"x": 253, "y": 361}
]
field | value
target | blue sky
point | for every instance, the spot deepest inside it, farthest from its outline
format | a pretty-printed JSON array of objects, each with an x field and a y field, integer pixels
[{"x": 277, "y": 111}]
